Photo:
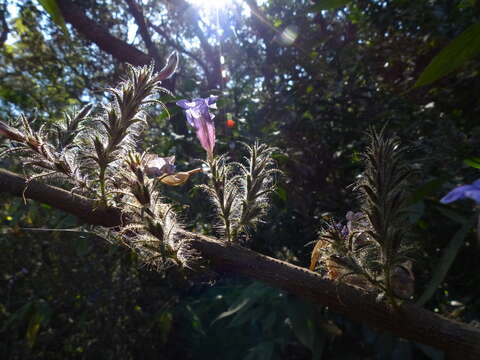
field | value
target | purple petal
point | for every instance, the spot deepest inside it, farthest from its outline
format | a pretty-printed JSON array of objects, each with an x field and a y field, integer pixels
[
  {"x": 473, "y": 194},
  {"x": 185, "y": 104},
  {"x": 211, "y": 99},
  {"x": 190, "y": 118},
  {"x": 476, "y": 183},
  {"x": 456, "y": 194},
  {"x": 158, "y": 166},
  {"x": 206, "y": 135},
  {"x": 199, "y": 117}
]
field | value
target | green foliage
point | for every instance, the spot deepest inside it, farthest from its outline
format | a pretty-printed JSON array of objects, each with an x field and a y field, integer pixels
[
  {"x": 51, "y": 7},
  {"x": 455, "y": 54},
  {"x": 329, "y": 4},
  {"x": 347, "y": 69},
  {"x": 262, "y": 322},
  {"x": 449, "y": 255}
]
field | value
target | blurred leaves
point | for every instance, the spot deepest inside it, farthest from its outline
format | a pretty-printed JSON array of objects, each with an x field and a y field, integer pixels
[
  {"x": 329, "y": 5},
  {"x": 449, "y": 255},
  {"x": 51, "y": 7},
  {"x": 451, "y": 57}
]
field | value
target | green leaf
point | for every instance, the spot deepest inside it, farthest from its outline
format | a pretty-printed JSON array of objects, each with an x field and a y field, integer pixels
[
  {"x": 329, "y": 5},
  {"x": 164, "y": 323},
  {"x": 453, "y": 215},
  {"x": 262, "y": 351},
  {"x": 32, "y": 329},
  {"x": 51, "y": 7},
  {"x": 449, "y": 255},
  {"x": 473, "y": 162},
  {"x": 281, "y": 193},
  {"x": 416, "y": 211},
  {"x": 246, "y": 302},
  {"x": 40, "y": 314},
  {"x": 20, "y": 26},
  {"x": 426, "y": 189},
  {"x": 82, "y": 246},
  {"x": 432, "y": 353},
  {"x": 301, "y": 320},
  {"x": 451, "y": 57}
]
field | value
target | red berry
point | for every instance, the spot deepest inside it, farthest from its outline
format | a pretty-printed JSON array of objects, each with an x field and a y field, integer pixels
[{"x": 230, "y": 123}]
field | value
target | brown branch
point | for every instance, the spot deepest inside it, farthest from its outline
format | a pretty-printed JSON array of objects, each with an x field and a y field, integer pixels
[
  {"x": 100, "y": 36},
  {"x": 141, "y": 22},
  {"x": 458, "y": 340},
  {"x": 77, "y": 205},
  {"x": 211, "y": 54},
  {"x": 3, "y": 21},
  {"x": 178, "y": 47}
]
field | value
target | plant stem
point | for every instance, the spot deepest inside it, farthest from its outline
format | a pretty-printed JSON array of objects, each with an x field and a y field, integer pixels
[{"x": 103, "y": 195}]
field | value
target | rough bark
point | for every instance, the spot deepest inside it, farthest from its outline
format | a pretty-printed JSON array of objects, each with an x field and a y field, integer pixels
[{"x": 458, "y": 340}]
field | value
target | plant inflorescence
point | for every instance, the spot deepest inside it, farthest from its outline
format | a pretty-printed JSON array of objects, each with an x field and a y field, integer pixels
[
  {"x": 371, "y": 250},
  {"x": 95, "y": 152}
]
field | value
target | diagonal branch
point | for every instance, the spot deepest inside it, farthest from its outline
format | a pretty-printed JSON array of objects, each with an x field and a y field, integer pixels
[
  {"x": 97, "y": 34},
  {"x": 100, "y": 36},
  {"x": 178, "y": 47},
  {"x": 141, "y": 22},
  {"x": 211, "y": 54},
  {"x": 458, "y": 340}
]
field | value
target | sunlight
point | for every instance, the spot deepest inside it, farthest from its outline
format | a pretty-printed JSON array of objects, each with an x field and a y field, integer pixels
[{"x": 210, "y": 4}]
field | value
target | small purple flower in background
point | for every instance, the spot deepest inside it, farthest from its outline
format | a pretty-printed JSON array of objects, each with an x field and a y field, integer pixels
[
  {"x": 200, "y": 118},
  {"x": 156, "y": 166},
  {"x": 466, "y": 191}
]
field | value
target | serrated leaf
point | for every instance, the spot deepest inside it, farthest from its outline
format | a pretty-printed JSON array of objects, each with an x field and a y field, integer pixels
[{"x": 464, "y": 47}]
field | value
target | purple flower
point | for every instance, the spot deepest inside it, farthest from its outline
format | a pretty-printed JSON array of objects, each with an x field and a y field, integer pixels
[
  {"x": 466, "y": 191},
  {"x": 200, "y": 118},
  {"x": 156, "y": 166}
]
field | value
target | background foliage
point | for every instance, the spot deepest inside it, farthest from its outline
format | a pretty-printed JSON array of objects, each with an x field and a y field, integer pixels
[{"x": 353, "y": 64}]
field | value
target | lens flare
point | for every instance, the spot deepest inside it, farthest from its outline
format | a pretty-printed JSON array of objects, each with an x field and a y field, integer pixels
[{"x": 210, "y": 4}]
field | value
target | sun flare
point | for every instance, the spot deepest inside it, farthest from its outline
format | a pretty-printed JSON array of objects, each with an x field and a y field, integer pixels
[{"x": 210, "y": 4}]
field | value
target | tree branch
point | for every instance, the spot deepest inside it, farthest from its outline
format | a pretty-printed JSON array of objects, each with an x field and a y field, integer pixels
[
  {"x": 409, "y": 321},
  {"x": 141, "y": 22},
  {"x": 177, "y": 46},
  {"x": 100, "y": 36},
  {"x": 212, "y": 56},
  {"x": 3, "y": 21}
]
